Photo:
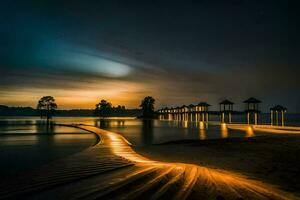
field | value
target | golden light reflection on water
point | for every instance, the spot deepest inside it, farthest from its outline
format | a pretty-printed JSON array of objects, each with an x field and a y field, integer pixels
[
  {"x": 202, "y": 134},
  {"x": 224, "y": 130},
  {"x": 202, "y": 130},
  {"x": 249, "y": 132},
  {"x": 69, "y": 138},
  {"x": 19, "y": 140},
  {"x": 185, "y": 124},
  {"x": 201, "y": 125}
]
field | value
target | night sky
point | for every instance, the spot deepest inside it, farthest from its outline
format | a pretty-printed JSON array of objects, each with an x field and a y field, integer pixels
[{"x": 179, "y": 52}]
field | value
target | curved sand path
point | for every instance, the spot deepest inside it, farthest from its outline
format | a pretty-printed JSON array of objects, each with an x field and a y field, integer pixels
[{"x": 113, "y": 170}]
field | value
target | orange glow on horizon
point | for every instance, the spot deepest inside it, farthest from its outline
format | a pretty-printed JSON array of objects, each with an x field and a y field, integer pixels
[{"x": 83, "y": 97}]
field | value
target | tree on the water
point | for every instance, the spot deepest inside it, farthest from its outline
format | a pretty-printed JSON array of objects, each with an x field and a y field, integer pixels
[
  {"x": 103, "y": 109},
  {"x": 46, "y": 106},
  {"x": 147, "y": 106}
]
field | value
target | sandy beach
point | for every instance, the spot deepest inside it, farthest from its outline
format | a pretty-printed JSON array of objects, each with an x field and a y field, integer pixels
[{"x": 272, "y": 159}]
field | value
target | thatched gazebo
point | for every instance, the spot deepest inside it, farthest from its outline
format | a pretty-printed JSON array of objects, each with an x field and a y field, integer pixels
[
  {"x": 252, "y": 107},
  {"x": 274, "y": 111},
  {"x": 226, "y": 107},
  {"x": 184, "y": 110},
  {"x": 202, "y": 111},
  {"x": 191, "y": 110},
  {"x": 176, "y": 113}
]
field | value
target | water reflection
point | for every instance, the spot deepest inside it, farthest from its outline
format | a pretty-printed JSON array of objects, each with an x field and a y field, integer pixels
[
  {"x": 224, "y": 131},
  {"x": 142, "y": 132},
  {"x": 147, "y": 132},
  {"x": 13, "y": 141},
  {"x": 202, "y": 134},
  {"x": 49, "y": 130},
  {"x": 35, "y": 144},
  {"x": 202, "y": 125},
  {"x": 109, "y": 123},
  {"x": 185, "y": 124},
  {"x": 44, "y": 128}
]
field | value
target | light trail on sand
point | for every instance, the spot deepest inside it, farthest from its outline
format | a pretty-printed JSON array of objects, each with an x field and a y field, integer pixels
[
  {"x": 265, "y": 128},
  {"x": 191, "y": 181}
]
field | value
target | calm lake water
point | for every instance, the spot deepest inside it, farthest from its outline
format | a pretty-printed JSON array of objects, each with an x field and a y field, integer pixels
[
  {"x": 24, "y": 146},
  {"x": 26, "y": 143}
]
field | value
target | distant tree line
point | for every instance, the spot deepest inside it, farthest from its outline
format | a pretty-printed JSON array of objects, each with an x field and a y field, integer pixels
[
  {"x": 105, "y": 109},
  {"x": 18, "y": 111},
  {"x": 47, "y": 107},
  {"x": 29, "y": 111}
]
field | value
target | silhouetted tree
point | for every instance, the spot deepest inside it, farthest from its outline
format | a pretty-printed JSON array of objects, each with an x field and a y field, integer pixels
[
  {"x": 148, "y": 107},
  {"x": 119, "y": 107},
  {"x": 103, "y": 109},
  {"x": 46, "y": 106}
]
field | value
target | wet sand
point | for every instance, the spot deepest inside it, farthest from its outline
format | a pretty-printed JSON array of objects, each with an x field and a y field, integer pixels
[{"x": 272, "y": 159}]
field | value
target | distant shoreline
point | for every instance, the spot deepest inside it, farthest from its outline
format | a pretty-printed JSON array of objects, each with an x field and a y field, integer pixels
[{"x": 31, "y": 112}]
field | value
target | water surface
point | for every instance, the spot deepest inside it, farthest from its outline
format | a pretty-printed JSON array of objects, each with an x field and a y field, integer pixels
[
  {"x": 24, "y": 147},
  {"x": 26, "y": 143}
]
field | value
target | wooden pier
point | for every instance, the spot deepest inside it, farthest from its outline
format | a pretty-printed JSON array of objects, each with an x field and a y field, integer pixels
[{"x": 192, "y": 112}]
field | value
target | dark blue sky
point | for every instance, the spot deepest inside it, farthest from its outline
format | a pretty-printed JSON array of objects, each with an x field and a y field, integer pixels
[{"x": 180, "y": 52}]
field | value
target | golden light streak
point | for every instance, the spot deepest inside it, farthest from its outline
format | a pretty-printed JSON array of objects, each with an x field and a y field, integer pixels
[
  {"x": 185, "y": 124},
  {"x": 216, "y": 182},
  {"x": 266, "y": 128},
  {"x": 249, "y": 132}
]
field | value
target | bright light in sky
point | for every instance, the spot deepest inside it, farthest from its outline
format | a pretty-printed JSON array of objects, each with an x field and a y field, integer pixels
[
  {"x": 80, "y": 59},
  {"x": 98, "y": 65}
]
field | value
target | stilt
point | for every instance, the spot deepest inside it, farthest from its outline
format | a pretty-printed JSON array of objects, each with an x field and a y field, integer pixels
[
  {"x": 282, "y": 118},
  {"x": 252, "y": 106},
  {"x": 275, "y": 110},
  {"x": 271, "y": 117},
  {"x": 248, "y": 117},
  {"x": 226, "y": 107}
]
